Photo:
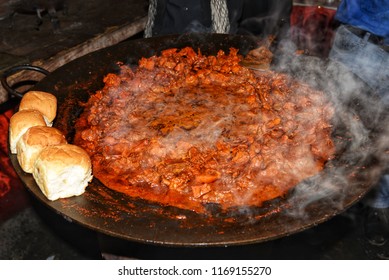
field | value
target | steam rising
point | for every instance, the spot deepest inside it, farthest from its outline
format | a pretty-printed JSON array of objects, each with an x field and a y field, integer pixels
[{"x": 360, "y": 131}]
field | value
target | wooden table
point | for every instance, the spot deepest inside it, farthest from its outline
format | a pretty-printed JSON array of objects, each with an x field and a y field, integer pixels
[{"x": 85, "y": 26}]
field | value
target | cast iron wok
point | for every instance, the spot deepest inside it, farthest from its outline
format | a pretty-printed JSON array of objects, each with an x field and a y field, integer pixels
[{"x": 343, "y": 182}]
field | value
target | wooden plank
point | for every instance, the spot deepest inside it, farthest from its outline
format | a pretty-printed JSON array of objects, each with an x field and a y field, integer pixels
[
  {"x": 88, "y": 26},
  {"x": 111, "y": 37}
]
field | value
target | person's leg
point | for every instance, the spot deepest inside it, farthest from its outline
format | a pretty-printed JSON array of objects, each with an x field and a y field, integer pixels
[
  {"x": 370, "y": 63},
  {"x": 376, "y": 224},
  {"x": 380, "y": 198},
  {"x": 366, "y": 60}
]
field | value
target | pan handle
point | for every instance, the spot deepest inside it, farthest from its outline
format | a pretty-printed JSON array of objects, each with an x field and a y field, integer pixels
[{"x": 7, "y": 73}]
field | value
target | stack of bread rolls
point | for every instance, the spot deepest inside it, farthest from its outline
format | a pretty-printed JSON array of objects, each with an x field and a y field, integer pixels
[{"x": 60, "y": 169}]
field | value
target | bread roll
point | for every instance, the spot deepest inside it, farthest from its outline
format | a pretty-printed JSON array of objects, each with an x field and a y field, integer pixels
[
  {"x": 32, "y": 143},
  {"x": 20, "y": 122},
  {"x": 62, "y": 171},
  {"x": 44, "y": 102}
]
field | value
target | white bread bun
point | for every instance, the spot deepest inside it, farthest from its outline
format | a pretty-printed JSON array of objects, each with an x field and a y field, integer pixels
[
  {"x": 33, "y": 141},
  {"x": 62, "y": 171},
  {"x": 44, "y": 102},
  {"x": 20, "y": 122}
]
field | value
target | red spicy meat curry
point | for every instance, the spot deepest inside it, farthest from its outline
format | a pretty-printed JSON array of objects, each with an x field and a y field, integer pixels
[{"x": 185, "y": 129}]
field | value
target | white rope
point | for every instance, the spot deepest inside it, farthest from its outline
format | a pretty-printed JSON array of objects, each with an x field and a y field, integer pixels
[
  {"x": 219, "y": 15},
  {"x": 151, "y": 17}
]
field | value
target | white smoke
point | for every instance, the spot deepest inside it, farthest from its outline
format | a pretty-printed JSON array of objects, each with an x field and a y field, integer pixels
[{"x": 360, "y": 133}]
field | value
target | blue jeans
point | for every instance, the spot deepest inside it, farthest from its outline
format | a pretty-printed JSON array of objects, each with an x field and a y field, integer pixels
[{"x": 370, "y": 63}]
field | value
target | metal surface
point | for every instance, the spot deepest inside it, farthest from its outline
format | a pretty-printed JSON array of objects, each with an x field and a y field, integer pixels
[
  {"x": 14, "y": 96},
  {"x": 12, "y": 92},
  {"x": 343, "y": 182}
]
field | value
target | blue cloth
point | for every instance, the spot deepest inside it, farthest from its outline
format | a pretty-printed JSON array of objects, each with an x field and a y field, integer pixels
[
  {"x": 371, "y": 64},
  {"x": 369, "y": 15},
  {"x": 366, "y": 60}
]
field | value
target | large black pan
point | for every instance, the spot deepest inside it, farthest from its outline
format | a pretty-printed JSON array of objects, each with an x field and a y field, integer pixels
[{"x": 342, "y": 183}]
